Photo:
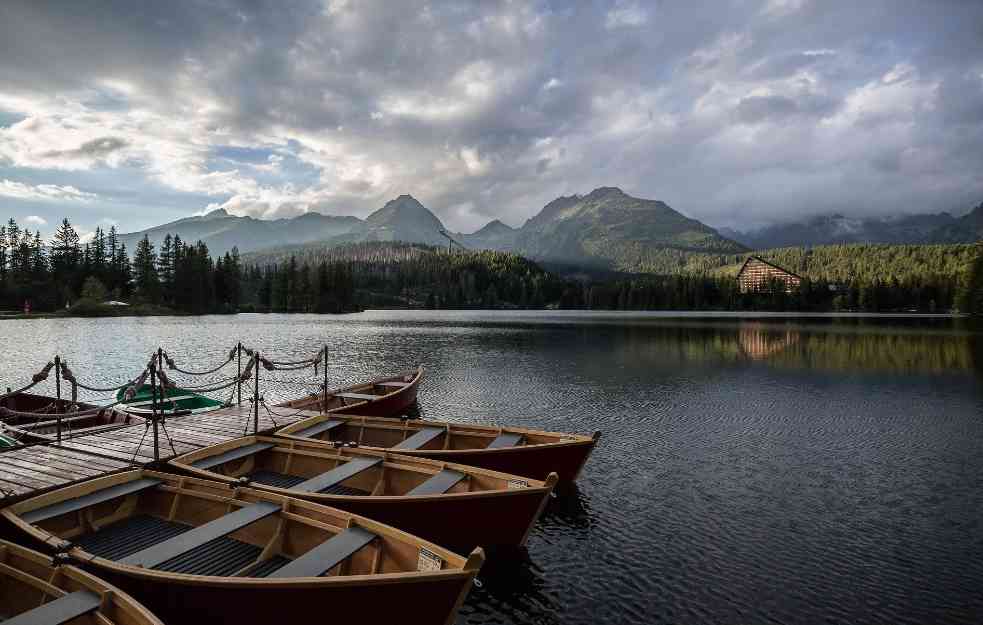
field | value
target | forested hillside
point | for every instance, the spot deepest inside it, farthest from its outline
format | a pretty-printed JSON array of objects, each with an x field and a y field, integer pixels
[{"x": 401, "y": 274}]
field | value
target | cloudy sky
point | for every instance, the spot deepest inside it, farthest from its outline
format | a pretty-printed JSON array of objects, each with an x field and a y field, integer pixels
[{"x": 738, "y": 113}]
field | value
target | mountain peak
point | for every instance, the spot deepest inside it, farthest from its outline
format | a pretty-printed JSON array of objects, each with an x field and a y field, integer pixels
[
  {"x": 601, "y": 192},
  {"x": 218, "y": 213},
  {"x": 494, "y": 226}
]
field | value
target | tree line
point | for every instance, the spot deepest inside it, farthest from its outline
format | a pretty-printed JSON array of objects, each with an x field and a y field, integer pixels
[{"x": 185, "y": 277}]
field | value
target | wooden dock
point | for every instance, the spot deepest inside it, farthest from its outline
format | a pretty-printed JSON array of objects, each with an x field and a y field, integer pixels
[{"x": 27, "y": 471}]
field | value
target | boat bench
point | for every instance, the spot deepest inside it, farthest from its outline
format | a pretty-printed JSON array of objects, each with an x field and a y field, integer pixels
[
  {"x": 317, "y": 428},
  {"x": 505, "y": 439},
  {"x": 61, "y": 610},
  {"x": 97, "y": 497},
  {"x": 393, "y": 384},
  {"x": 439, "y": 483},
  {"x": 420, "y": 439},
  {"x": 358, "y": 396},
  {"x": 192, "y": 539},
  {"x": 327, "y": 555},
  {"x": 337, "y": 475},
  {"x": 232, "y": 454}
]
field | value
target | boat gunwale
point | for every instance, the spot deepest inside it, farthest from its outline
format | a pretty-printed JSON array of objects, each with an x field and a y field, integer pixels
[
  {"x": 566, "y": 439},
  {"x": 415, "y": 376},
  {"x": 123, "y": 601},
  {"x": 459, "y": 566},
  {"x": 390, "y": 459}
]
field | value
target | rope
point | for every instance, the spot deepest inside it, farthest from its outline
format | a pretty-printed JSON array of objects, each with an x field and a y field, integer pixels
[
  {"x": 36, "y": 379},
  {"x": 306, "y": 361},
  {"x": 280, "y": 414},
  {"x": 69, "y": 376},
  {"x": 171, "y": 365}
]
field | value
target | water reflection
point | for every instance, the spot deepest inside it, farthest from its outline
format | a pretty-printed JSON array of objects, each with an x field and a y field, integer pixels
[{"x": 513, "y": 589}]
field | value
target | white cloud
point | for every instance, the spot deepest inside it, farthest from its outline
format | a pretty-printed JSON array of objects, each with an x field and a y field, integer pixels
[
  {"x": 35, "y": 220},
  {"x": 625, "y": 14},
  {"x": 43, "y": 192}
]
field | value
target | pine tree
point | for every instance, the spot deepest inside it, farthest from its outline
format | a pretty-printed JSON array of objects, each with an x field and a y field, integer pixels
[{"x": 145, "y": 278}]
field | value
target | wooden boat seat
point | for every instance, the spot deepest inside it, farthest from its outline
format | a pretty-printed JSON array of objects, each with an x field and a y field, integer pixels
[
  {"x": 505, "y": 439},
  {"x": 420, "y": 439},
  {"x": 337, "y": 475},
  {"x": 358, "y": 396},
  {"x": 192, "y": 539},
  {"x": 79, "y": 503},
  {"x": 393, "y": 384},
  {"x": 161, "y": 400},
  {"x": 327, "y": 555},
  {"x": 233, "y": 454},
  {"x": 317, "y": 428},
  {"x": 438, "y": 484},
  {"x": 60, "y": 610}
]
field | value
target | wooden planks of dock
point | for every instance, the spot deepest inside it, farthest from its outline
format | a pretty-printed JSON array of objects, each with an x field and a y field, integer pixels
[{"x": 27, "y": 471}]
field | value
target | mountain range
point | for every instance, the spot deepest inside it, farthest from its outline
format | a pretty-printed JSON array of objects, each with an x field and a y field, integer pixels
[
  {"x": 838, "y": 229},
  {"x": 604, "y": 229}
]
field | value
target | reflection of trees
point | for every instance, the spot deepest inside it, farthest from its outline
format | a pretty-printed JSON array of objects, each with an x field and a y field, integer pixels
[{"x": 797, "y": 345}]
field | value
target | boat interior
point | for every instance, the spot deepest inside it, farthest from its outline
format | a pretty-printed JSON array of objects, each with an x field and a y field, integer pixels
[
  {"x": 189, "y": 526},
  {"x": 409, "y": 435},
  {"x": 44, "y": 426},
  {"x": 354, "y": 395},
  {"x": 33, "y": 591},
  {"x": 318, "y": 468}
]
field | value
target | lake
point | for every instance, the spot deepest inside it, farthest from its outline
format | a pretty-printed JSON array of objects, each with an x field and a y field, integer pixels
[{"x": 753, "y": 469}]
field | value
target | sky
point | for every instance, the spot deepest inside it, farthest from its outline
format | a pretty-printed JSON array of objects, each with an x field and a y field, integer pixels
[{"x": 739, "y": 113}]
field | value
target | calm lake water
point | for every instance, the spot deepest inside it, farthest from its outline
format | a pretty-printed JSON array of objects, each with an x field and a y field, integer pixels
[{"x": 752, "y": 470}]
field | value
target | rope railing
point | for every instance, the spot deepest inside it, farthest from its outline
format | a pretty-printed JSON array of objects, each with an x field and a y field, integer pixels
[
  {"x": 170, "y": 363},
  {"x": 36, "y": 379},
  {"x": 65, "y": 413}
]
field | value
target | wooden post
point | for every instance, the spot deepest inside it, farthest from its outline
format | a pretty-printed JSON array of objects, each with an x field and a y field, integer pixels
[
  {"x": 256, "y": 394},
  {"x": 153, "y": 405},
  {"x": 325, "y": 365},
  {"x": 58, "y": 396},
  {"x": 239, "y": 379}
]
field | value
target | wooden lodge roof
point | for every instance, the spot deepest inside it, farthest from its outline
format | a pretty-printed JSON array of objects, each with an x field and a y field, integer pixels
[{"x": 772, "y": 265}]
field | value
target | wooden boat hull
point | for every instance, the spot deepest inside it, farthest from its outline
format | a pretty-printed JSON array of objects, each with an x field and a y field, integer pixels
[
  {"x": 534, "y": 461},
  {"x": 25, "y": 573},
  {"x": 539, "y": 454},
  {"x": 376, "y": 584},
  {"x": 186, "y": 601},
  {"x": 485, "y": 509},
  {"x": 29, "y": 429},
  {"x": 391, "y": 403},
  {"x": 490, "y": 520}
]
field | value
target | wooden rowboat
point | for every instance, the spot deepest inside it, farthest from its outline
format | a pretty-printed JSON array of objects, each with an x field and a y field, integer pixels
[
  {"x": 530, "y": 453},
  {"x": 199, "y": 551},
  {"x": 34, "y": 591},
  {"x": 33, "y": 418},
  {"x": 424, "y": 497},
  {"x": 390, "y": 396},
  {"x": 170, "y": 400}
]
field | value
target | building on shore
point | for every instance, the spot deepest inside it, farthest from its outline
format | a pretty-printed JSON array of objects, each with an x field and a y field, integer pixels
[{"x": 758, "y": 275}]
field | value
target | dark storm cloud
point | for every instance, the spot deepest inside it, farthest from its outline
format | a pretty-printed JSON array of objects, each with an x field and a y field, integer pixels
[
  {"x": 734, "y": 112},
  {"x": 96, "y": 148}
]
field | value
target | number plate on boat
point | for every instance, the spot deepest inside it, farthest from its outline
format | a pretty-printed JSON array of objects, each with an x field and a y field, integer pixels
[
  {"x": 516, "y": 484},
  {"x": 428, "y": 561}
]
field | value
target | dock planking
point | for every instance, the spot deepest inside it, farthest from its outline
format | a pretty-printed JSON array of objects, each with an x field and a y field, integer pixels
[{"x": 27, "y": 471}]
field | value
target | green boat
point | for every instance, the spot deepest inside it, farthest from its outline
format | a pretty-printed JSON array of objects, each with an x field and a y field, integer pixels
[
  {"x": 175, "y": 400},
  {"x": 6, "y": 441}
]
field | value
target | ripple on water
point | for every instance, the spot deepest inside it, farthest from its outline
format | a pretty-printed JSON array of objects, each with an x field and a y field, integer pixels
[{"x": 826, "y": 477}]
